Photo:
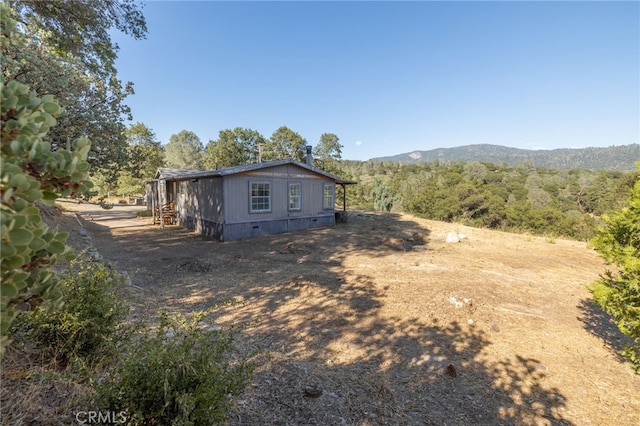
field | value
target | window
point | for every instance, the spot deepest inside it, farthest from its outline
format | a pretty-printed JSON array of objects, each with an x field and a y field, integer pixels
[
  {"x": 295, "y": 198},
  {"x": 260, "y": 197},
  {"x": 328, "y": 196}
]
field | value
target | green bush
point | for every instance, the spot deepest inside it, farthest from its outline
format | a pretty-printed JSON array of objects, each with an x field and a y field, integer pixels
[
  {"x": 618, "y": 290},
  {"x": 89, "y": 325},
  {"x": 181, "y": 374},
  {"x": 145, "y": 213}
]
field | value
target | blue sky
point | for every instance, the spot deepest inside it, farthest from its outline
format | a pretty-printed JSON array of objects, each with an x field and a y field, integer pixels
[{"x": 391, "y": 77}]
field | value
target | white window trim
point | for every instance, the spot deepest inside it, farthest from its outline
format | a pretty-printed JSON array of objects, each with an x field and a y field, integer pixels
[
  {"x": 324, "y": 197},
  {"x": 299, "y": 196},
  {"x": 251, "y": 196}
]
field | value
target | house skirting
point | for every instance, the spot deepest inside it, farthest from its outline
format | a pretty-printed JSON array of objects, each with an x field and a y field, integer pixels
[{"x": 237, "y": 231}]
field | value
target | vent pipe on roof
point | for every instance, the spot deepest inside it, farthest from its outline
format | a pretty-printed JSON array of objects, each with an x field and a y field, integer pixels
[{"x": 309, "y": 155}]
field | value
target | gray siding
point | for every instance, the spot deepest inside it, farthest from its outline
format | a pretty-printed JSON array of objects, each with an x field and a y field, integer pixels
[
  {"x": 199, "y": 204},
  {"x": 204, "y": 227},
  {"x": 236, "y": 190}
]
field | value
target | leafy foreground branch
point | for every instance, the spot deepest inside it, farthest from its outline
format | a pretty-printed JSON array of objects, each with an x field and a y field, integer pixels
[{"x": 31, "y": 173}]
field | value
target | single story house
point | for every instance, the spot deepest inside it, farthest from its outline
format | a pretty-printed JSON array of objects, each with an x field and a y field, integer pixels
[{"x": 248, "y": 200}]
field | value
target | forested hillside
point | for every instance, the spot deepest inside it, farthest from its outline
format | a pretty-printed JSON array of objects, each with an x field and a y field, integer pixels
[
  {"x": 520, "y": 198},
  {"x": 621, "y": 158}
]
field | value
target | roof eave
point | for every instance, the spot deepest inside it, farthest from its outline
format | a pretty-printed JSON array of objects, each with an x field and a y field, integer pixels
[{"x": 184, "y": 175}]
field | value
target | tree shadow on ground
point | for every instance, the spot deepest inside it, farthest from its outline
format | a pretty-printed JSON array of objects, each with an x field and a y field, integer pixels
[
  {"x": 601, "y": 324},
  {"x": 406, "y": 373},
  {"x": 326, "y": 351}
]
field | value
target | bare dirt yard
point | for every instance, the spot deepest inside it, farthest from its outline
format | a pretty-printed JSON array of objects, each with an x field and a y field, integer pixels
[{"x": 379, "y": 321}]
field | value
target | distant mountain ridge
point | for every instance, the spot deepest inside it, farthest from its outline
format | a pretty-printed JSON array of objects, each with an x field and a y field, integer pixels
[{"x": 620, "y": 158}]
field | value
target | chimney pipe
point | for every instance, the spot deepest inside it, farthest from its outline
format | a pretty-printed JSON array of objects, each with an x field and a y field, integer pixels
[{"x": 309, "y": 155}]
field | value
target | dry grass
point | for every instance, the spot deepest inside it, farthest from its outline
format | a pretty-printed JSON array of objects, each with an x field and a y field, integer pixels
[
  {"x": 379, "y": 321},
  {"x": 35, "y": 392}
]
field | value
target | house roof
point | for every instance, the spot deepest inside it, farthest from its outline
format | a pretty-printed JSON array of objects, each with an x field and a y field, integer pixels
[{"x": 184, "y": 174}]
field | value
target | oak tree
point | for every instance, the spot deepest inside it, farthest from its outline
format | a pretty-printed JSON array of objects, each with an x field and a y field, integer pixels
[
  {"x": 184, "y": 151},
  {"x": 233, "y": 147},
  {"x": 285, "y": 143}
]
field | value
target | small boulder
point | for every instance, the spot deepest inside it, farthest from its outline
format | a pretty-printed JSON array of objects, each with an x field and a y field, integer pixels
[{"x": 452, "y": 237}]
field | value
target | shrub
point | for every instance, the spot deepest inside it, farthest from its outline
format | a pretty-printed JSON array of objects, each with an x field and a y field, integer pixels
[
  {"x": 145, "y": 213},
  {"x": 618, "y": 291},
  {"x": 181, "y": 374},
  {"x": 89, "y": 325}
]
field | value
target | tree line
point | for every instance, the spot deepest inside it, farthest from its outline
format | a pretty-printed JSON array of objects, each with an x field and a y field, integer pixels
[
  {"x": 620, "y": 157},
  {"x": 144, "y": 154},
  {"x": 522, "y": 198}
]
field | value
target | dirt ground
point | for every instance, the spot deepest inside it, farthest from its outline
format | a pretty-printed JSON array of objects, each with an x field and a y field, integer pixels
[{"x": 387, "y": 322}]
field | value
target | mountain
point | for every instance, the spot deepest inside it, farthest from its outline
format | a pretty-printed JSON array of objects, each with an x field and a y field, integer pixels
[{"x": 621, "y": 157}]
